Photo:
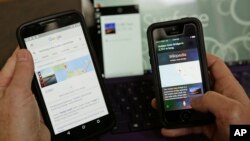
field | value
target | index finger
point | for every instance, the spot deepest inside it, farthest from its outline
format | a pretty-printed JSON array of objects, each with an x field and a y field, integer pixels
[{"x": 225, "y": 82}]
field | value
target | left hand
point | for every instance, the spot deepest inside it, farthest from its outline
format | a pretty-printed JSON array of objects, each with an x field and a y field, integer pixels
[{"x": 20, "y": 118}]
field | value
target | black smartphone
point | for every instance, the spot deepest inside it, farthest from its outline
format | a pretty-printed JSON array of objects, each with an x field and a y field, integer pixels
[
  {"x": 179, "y": 65},
  {"x": 67, "y": 81}
]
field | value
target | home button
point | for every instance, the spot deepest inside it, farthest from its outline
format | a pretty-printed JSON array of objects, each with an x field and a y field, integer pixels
[{"x": 185, "y": 116}]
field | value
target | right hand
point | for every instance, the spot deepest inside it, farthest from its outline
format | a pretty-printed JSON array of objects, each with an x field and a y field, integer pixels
[{"x": 228, "y": 102}]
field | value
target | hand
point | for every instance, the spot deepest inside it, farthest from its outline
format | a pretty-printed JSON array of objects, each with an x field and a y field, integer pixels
[
  {"x": 228, "y": 102},
  {"x": 20, "y": 119}
]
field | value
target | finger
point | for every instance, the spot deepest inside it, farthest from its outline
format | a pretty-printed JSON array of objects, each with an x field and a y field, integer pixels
[
  {"x": 181, "y": 131},
  {"x": 23, "y": 73},
  {"x": 7, "y": 71},
  {"x": 44, "y": 133},
  {"x": 225, "y": 83},
  {"x": 154, "y": 103},
  {"x": 213, "y": 102}
]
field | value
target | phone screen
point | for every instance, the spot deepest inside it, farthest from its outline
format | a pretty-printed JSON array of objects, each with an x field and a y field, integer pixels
[
  {"x": 179, "y": 66},
  {"x": 67, "y": 77}
]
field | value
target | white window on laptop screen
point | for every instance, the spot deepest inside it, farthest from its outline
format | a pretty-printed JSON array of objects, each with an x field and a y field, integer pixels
[{"x": 122, "y": 45}]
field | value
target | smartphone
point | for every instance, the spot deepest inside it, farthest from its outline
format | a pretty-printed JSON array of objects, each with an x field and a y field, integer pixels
[
  {"x": 179, "y": 65},
  {"x": 67, "y": 81}
]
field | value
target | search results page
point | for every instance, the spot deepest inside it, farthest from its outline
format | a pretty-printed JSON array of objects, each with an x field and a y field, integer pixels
[
  {"x": 180, "y": 72},
  {"x": 67, "y": 78},
  {"x": 122, "y": 45}
]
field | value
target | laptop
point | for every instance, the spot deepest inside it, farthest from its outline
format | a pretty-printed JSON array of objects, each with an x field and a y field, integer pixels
[{"x": 118, "y": 31}]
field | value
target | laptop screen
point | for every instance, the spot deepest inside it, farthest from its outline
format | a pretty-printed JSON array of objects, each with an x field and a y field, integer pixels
[
  {"x": 120, "y": 30},
  {"x": 122, "y": 24}
]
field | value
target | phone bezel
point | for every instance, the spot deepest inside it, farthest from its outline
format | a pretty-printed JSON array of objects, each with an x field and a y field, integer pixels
[
  {"x": 26, "y": 30},
  {"x": 177, "y": 114}
]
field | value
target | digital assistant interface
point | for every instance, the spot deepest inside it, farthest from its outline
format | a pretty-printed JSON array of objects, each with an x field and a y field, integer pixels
[{"x": 180, "y": 72}]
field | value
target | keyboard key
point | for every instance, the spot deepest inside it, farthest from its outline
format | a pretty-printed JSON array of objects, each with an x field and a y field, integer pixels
[
  {"x": 148, "y": 125},
  {"x": 120, "y": 127},
  {"x": 139, "y": 107},
  {"x": 135, "y": 126},
  {"x": 136, "y": 117},
  {"x": 122, "y": 100},
  {"x": 151, "y": 115},
  {"x": 130, "y": 91},
  {"x": 126, "y": 108}
]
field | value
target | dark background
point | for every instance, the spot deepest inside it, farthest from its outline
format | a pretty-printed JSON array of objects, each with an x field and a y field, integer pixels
[{"x": 16, "y": 12}]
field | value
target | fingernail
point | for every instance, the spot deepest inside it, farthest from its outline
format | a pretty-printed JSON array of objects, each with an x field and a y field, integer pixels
[{"x": 22, "y": 55}]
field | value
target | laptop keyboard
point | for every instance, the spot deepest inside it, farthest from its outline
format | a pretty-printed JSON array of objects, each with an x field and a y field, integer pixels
[
  {"x": 241, "y": 71},
  {"x": 131, "y": 103}
]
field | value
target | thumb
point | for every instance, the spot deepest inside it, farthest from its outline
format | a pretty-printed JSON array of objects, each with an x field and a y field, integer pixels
[
  {"x": 23, "y": 73},
  {"x": 211, "y": 102}
]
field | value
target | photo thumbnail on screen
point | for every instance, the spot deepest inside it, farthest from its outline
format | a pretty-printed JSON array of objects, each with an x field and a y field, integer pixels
[
  {"x": 110, "y": 28},
  {"x": 61, "y": 72}
]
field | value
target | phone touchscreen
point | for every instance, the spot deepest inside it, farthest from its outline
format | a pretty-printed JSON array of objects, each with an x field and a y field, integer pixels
[
  {"x": 67, "y": 77},
  {"x": 179, "y": 67}
]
